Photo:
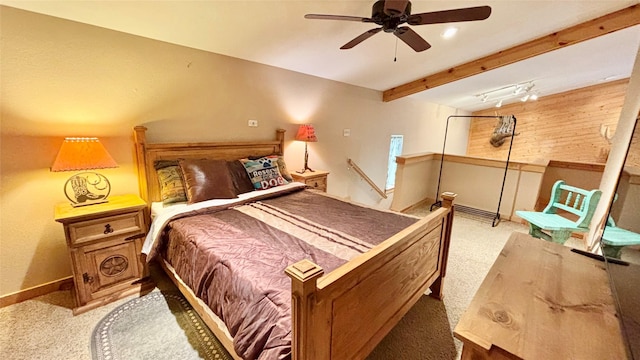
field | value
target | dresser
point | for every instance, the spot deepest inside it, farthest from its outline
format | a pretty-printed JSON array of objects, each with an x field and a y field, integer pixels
[
  {"x": 104, "y": 243},
  {"x": 540, "y": 300}
]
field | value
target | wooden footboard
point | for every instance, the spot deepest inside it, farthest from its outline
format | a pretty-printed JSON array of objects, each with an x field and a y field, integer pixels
[{"x": 346, "y": 313}]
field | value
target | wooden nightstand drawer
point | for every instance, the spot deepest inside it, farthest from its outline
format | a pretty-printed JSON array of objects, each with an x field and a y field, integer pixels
[
  {"x": 318, "y": 183},
  {"x": 315, "y": 179},
  {"x": 87, "y": 231}
]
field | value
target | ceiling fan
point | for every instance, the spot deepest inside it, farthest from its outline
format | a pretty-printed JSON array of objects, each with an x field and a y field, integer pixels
[{"x": 390, "y": 14}]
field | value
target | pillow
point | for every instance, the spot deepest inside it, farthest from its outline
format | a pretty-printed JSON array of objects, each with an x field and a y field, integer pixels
[
  {"x": 263, "y": 172},
  {"x": 283, "y": 169},
  {"x": 207, "y": 179},
  {"x": 171, "y": 182},
  {"x": 239, "y": 177},
  {"x": 282, "y": 166}
]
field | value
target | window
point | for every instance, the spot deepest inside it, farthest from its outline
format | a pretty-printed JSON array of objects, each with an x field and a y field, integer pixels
[{"x": 395, "y": 149}]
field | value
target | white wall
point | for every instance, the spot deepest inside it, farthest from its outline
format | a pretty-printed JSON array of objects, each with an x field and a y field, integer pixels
[{"x": 61, "y": 78}]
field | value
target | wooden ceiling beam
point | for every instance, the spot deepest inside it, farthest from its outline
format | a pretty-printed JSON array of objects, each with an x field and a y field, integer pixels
[{"x": 585, "y": 31}]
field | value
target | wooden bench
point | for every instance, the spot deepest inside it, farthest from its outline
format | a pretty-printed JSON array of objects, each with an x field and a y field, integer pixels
[
  {"x": 615, "y": 238},
  {"x": 574, "y": 201}
]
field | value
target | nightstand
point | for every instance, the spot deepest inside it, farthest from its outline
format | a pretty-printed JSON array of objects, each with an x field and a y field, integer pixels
[
  {"x": 316, "y": 179},
  {"x": 105, "y": 242}
]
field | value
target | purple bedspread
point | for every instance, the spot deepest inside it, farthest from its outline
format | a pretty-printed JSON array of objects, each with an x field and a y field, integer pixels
[{"x": 234, "y": 259}]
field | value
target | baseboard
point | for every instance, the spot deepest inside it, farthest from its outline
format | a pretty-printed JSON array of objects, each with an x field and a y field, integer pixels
[
  {"x": 30, "y": 293},
  {"x": 425, "y": 201}
]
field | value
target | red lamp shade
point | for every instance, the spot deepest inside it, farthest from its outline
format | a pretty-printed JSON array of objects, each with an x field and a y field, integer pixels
[
  {"x": 306, "y": 133},
  {"x": 82, "y": 154}
]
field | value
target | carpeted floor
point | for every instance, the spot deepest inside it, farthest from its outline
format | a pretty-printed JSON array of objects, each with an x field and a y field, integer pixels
[{"x": 44, "y": 328}]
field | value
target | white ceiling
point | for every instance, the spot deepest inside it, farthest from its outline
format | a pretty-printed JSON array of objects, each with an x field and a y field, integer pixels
[{"x": 276, "y": 33}]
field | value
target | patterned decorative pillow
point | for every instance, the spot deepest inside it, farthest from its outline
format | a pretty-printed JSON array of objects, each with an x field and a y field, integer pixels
[
  {"x": 171, "y": 185},
  {"x": 282, "y": 166},
  {"x": 264, "y": 172}
]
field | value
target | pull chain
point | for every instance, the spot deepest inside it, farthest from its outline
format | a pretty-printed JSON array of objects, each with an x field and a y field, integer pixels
[{"x": 395, "y": 55}]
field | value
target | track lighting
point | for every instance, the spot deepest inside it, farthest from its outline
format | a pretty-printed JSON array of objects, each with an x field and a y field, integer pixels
[{"x": 522, "y": 90}]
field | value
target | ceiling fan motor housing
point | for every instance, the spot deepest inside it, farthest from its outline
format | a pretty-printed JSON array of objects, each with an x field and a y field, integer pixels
[
  {"x": 390, "y": 20},
  {"x": 377, "y": 11},
  {"x": 394, "y": 8}
]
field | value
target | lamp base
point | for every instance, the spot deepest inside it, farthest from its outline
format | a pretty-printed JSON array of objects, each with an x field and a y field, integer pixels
[
  {"x": 305, "y": 170},
  {"x": 306, "y": 161},
  {"x": 87, "y": 188}
]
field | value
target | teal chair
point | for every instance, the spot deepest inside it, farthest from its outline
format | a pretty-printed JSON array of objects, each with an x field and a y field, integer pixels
[{"x": 615, "y": 238}]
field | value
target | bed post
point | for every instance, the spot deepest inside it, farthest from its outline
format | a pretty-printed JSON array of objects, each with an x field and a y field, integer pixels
[
  {"x": 436, "y": 287},
  {"x": 304, "y": 275},
  {"x": 280, "y": 138},
  {"x": 140, "y": 140}
]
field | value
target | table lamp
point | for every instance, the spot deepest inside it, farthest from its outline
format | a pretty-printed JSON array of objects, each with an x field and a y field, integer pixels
[
  {"x": 84, "y": 153},
  {"x": 307, "y": 134}
]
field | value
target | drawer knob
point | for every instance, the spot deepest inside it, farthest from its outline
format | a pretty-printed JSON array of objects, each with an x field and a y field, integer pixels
[
  {"x": 87, "y": 279},
  {"x": 108, "y": 229}
]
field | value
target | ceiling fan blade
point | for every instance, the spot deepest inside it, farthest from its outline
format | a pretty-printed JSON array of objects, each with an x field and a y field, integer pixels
[
  {"x": 337, "y": 17},
  {"x": 411, "y": 38},
  {"x": 446, "y": 16},
  {"x": 362, "y": 37},
  {"x": 395, "y": 7}
]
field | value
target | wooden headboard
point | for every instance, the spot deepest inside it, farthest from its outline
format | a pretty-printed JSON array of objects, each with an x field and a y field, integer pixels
[{"x": 147, "y": 154}]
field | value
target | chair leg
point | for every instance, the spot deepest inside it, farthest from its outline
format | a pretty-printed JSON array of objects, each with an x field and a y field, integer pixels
[
  {"x": 537, "y": 232},
  {"x": 560, "y": 236},
  {"x": 611, "y": 251}
]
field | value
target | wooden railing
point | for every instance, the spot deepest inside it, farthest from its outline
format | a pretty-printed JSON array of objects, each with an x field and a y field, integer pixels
[{"x": 366, "y": 178}]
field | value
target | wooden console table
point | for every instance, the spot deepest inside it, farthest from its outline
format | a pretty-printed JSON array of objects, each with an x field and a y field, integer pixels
[{"x": 540, "y": 300}]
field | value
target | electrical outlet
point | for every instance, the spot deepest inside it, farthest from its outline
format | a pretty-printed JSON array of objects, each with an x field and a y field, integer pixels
[
  {"x": 253, "y": 123},
  {"x": 346, "y": 132}
]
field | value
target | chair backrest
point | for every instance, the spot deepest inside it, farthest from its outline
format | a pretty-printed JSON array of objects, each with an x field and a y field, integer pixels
[{"x": 577, "y": 201}]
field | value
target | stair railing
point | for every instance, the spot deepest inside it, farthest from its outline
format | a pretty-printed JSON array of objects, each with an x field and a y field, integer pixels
[{"x": 366, "y": 178}]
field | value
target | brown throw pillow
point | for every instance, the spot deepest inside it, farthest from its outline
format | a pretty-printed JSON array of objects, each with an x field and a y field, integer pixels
[
  {"x": 207, "y": 179},
  {"x": 241, "y": 181}
]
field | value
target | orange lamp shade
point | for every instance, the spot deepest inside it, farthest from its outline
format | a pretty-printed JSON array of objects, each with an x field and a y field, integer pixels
[
  {"x": 82, "y": 153},
  {"x": 306, "y": 133}
]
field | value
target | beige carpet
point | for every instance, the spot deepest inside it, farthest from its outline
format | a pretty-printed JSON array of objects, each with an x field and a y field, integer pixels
[{"x": 44, "y": 328}]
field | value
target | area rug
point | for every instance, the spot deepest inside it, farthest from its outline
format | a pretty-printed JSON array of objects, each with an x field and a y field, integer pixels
[{"x": 159, "y": 325}]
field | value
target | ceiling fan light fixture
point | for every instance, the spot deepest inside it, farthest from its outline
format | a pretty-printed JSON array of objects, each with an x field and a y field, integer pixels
[{"x": 449, "y": 32}]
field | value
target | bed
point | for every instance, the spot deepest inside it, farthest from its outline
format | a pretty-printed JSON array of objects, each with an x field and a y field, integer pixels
[{"x": 375, "y": 267}]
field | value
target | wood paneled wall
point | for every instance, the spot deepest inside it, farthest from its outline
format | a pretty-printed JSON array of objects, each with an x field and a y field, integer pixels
[{"x": 564, "y": 126}]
